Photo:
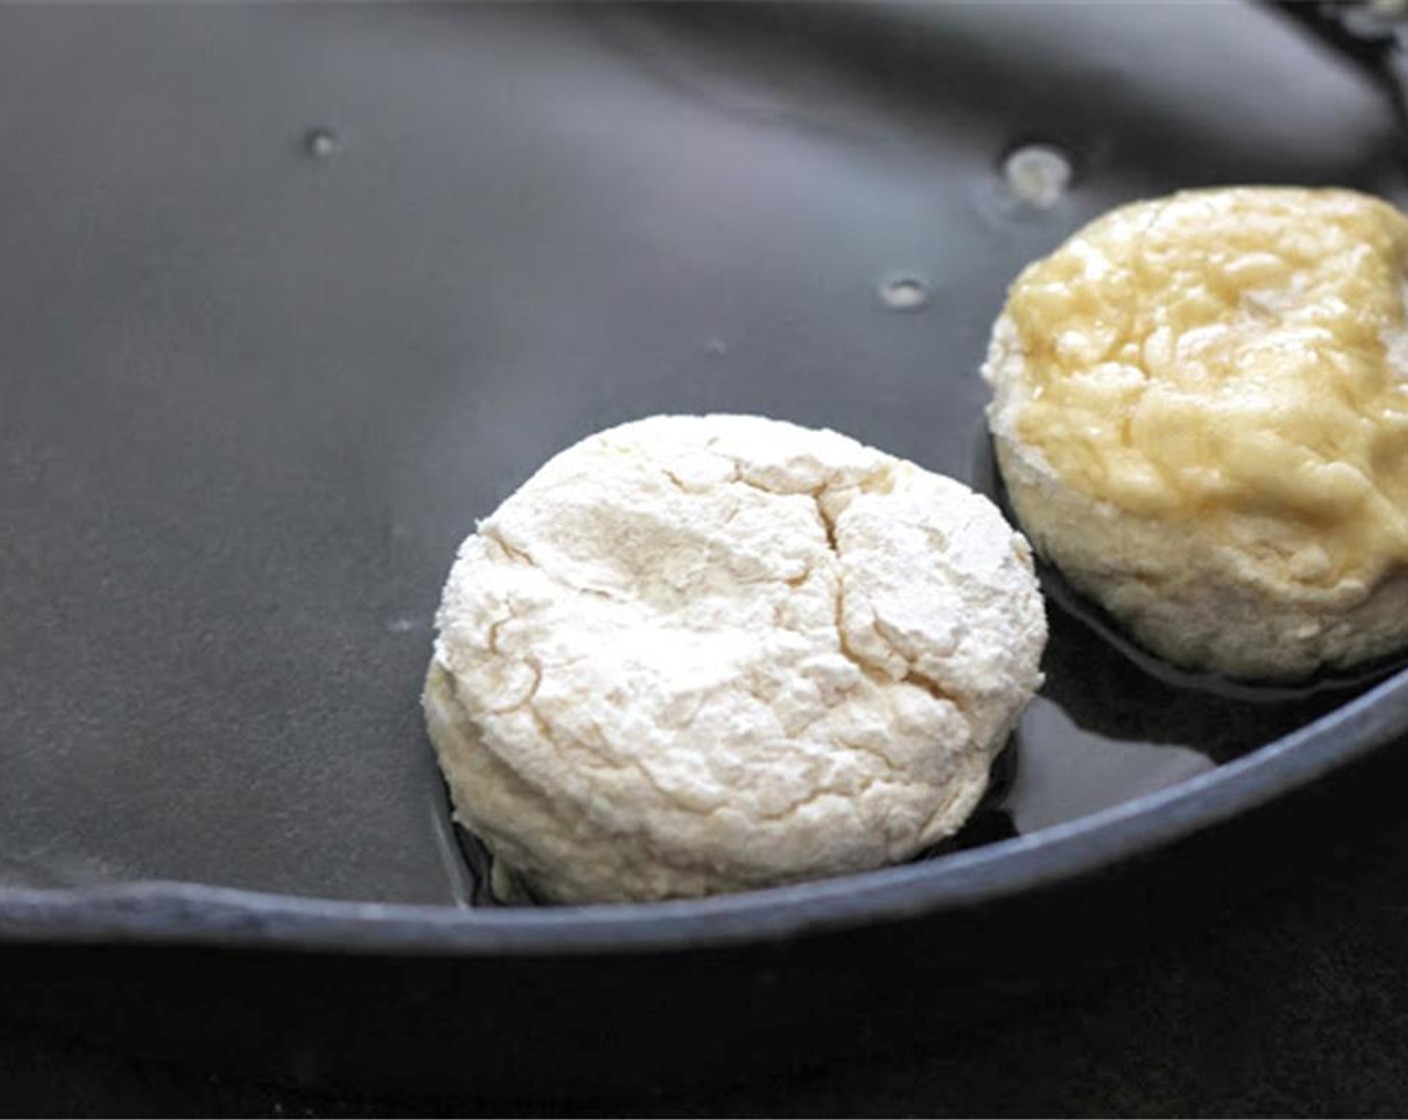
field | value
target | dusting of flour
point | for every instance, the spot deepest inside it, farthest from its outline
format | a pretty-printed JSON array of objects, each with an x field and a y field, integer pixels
[{"x": 700, "y": 654}]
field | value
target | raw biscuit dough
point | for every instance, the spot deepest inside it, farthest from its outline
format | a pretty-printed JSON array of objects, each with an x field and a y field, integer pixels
[
  {"x": 704, "y": 654},
  {"x": 1201, "y": 416}
]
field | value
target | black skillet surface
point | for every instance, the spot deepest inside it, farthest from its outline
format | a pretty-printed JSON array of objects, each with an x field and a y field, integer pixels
[{"x": 292, "y": 294}]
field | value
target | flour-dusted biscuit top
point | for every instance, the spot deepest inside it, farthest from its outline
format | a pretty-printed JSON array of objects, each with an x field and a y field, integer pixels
[
  {"x": 701, "y": 654},
  {"x": 1201, "y": 413}
]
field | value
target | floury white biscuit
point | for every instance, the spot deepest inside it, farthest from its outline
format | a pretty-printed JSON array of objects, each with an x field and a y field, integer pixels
[
  {"x": 1201, "y": 415},
  {"x": 704, "y": 654}
]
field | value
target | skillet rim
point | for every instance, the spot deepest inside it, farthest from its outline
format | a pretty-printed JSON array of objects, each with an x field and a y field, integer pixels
[{"x": 189, "y": 914}]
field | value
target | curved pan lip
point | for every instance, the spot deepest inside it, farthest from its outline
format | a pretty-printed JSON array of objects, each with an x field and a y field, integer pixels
[{"x": 156, "y": 913}]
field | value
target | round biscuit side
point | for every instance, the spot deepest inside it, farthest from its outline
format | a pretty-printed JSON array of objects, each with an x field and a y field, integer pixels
[{"x": 752, "y": 715}]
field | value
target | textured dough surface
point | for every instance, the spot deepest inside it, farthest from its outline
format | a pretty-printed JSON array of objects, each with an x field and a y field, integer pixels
[
  {"x": 703, "y": 654},
  {"x": 1201, "y": 416}
]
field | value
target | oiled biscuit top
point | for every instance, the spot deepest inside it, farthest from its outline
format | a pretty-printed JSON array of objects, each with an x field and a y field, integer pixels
[{"x": 1238, "y": 356}]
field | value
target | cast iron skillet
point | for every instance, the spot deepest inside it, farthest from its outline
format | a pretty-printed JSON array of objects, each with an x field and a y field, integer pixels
[{"x": 293, "y": 294}]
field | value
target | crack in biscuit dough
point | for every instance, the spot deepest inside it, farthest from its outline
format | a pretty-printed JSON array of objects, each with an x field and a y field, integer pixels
[
  {"x": 1204, "y": 399},
  {"x": 704, "y": 654}
]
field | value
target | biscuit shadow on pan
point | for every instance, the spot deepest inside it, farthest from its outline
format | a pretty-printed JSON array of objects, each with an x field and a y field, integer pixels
[{"x": 1109, "y": 686}]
